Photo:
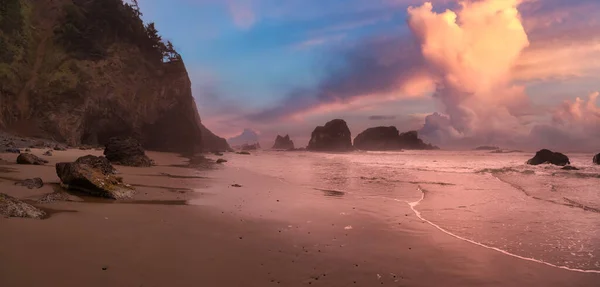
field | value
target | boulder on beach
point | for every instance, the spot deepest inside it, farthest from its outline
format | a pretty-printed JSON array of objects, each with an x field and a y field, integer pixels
[
  {"x": 58, "y": 196},
  {"x": 334, "y": 136},
  {"x": 548, "y": 156},
  {"x": 597, "y": 159},
  {"x": 389, "y": 138},
  {"x": 31, "y": 183},
  {"x": 126, "y": 151},
  {"x": 283, "y": 143},
  {"x": 27, "y": 158},
  {"x": 221, "y": 160},
  {"x": 98, "y": 162},
  {"x": 12, "y": 207},
  {"x": 95, "y": 181},
  {"x": 60, "y": 148}
]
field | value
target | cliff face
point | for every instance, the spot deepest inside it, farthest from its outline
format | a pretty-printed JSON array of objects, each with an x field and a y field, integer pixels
[
  {"x": 83, "y": 71},
  {"x": 212, "y": 142}
]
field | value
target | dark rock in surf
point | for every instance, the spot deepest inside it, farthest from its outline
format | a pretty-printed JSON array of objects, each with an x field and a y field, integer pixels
[
  {"x": 12, "y": 207},
  {"x": 389, "y": 138},
  {"x": 126, "y": 151},
  {"x": 547, "y": 156},
  {"x": 31, "y": 183},
  {"x": 243, "y": 152},
  {"x": 334, "y": 136},
  {"x": 568, "y": 167},
  {"x": 48, "y": 153},
  {"x": 597, "y": 159},
  {"x": 283, "y": 143},
  {"x": 12, "y": 150},
  {"x": 221, "y": 160},
  {"x": 27, "y": 158}
]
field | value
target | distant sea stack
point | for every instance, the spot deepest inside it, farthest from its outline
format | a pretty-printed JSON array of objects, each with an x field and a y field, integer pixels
[
  {"x": 334, "y": 136},
  {"x": 82, "y": 72},
  {"x": 389, "y": 138},
  {"x": 548, "y": 156},
  {"x": 283, "y": 143},
  {"x": 597, "y": 159},
  {"x": 485, "y": 147}
]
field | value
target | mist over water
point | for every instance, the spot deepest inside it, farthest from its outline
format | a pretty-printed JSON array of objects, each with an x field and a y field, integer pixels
[{"x": 538, "y": 212}]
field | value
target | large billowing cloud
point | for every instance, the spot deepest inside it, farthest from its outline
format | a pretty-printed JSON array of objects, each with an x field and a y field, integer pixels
[{"x": 471, "y": 54}]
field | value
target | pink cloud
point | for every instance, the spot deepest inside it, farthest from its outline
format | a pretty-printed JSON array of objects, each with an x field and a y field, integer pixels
[{"x": 242, "y": 13}]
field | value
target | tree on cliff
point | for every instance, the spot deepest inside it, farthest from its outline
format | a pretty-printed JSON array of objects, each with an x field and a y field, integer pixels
[{"x": 91, "y": 27}]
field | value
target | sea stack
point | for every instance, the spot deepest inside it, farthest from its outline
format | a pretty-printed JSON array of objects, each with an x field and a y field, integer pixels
[
  {"x": 334, "y": 136},
  {"x": 283, "y": 143},
  {"x": 548, "y": 156},
  {"x": 389, "y": 138},
  {"x": 597, "y": 159}
]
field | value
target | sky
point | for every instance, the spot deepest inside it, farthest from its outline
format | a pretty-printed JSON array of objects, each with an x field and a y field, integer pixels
[{"x": 513, "y": 73}]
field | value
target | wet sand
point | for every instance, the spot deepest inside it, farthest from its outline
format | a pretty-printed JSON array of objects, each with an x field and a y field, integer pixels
[{"x": 265, "y": 233}]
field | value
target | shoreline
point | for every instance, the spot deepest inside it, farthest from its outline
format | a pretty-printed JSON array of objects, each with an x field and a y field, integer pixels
[{"x": 267, "y": 231}]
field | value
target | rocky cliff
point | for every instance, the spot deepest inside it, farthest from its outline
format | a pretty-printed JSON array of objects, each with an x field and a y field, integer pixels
[
  {"x": 212, "y": 142},
  {"x": 83, "y": 71}
]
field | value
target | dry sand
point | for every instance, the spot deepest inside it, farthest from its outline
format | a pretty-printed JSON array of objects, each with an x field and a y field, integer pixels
[{"x": 265, "y": 233}]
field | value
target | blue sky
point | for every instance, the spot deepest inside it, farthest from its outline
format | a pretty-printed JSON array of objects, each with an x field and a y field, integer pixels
[{"x": 286, "y": 66}]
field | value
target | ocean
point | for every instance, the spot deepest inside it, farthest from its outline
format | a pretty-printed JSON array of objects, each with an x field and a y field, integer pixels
[{"x": 492, "y": 200}]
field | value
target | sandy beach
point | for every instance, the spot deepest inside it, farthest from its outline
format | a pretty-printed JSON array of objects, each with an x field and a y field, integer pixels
[{"x": 189, "y": 227}]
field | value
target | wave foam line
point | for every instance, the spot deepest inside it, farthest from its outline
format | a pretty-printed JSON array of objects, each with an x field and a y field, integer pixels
[{"x": 418, "y": 214}]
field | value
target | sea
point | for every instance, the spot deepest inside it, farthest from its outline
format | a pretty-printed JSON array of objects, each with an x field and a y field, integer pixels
[{"x": 493, "y": 200}]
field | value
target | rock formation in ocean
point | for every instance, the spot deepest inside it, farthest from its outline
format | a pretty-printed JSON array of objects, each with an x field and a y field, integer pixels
[
  {"x": 334, "y": 136},
  {"x": 597, "y": 159},
  {"x": 248, "y": 136},
  {"x": 84, "y": 71},
  {"x": 547, "y": 156},
  {"x": 485, "y": 147},
  {"x": 212, "y": 142},
  {"x": 389, "y": 138},
  {"x": 283, "y": 143},
  {"x": 126, "y": 151}
]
